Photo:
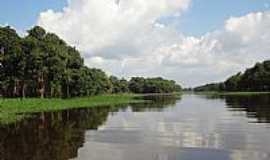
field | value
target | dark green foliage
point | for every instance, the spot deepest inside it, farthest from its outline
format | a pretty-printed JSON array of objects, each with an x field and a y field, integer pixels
[
  {"x": 255, "y": 79},
  {"x": 232, "y": 84},
  {"x": 43, "y": 65},
  {"x": 153, "y": 85},
  {"x": 37, "y": 32},
  {"x": 136, "y": 85},
  {"x": 119, "y": 86},
  {"x": 11, "y": 64},
  {"x": 210, "y": 87}
]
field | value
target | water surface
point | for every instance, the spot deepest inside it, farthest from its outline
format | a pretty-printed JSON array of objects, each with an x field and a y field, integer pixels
[{"x": 193, "y": 127}]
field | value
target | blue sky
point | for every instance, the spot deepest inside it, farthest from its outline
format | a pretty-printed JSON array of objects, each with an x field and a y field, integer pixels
[
  {"x": 24, "y": 13},
  {"x": 124, "y": 42},
  {"x": 203, "y": 15},
  {"x": 208, "y": 15}
]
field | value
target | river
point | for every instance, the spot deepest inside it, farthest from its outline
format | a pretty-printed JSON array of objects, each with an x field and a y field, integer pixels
[{"x": 190, "y": 127}]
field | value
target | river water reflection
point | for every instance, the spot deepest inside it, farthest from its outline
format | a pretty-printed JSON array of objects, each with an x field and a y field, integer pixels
[{"x": 193, "y": 127}]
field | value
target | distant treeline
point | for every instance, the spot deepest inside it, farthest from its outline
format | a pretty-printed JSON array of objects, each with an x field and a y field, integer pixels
[
  {"x": 43, "y": 65},
  {"x": 210, "y": 87},
  {"x": 255, "y": 79}
]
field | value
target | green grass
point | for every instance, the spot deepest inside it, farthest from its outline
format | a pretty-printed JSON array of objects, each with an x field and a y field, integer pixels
[{"x": 12, "y": 110}]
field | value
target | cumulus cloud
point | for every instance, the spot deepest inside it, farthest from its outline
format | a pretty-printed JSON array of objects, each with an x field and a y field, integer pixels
[
  {"x": 240, "y": 44},
  {"x": 110, "y": 28},
  {"x": 127, "y": 38}
]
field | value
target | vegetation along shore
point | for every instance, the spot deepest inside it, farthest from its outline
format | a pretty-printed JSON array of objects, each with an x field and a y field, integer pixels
[
  {"x": 12, "y": 109},
  {"x": 40, "y": 72},
  {"x": 255, "y": 80},
  {"x": 43, "y": 65}
]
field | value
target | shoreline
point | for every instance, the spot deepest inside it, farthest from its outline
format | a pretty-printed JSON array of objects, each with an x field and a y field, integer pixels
[
  {"x": 15, "y": 109},
  {"x": 231, "y": 93}
]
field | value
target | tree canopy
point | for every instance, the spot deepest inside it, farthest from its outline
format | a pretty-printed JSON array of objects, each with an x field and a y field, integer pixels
[
  {"x": 210, "y": 87},
  {"x": 43, "y": 65},
  {"x": 153, "y": 85},
  {"x": 256, "y": 78}
]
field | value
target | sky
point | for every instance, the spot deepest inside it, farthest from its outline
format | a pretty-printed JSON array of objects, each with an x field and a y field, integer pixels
[{"x": 191, "y": 41}]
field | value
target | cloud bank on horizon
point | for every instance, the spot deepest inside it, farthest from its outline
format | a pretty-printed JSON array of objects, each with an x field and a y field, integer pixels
[{"x": 128, "y": 38}]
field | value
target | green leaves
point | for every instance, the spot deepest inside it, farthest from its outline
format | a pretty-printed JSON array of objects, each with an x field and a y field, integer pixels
[
  {"x": 255, "y": 79},
  {"x": 37, "y": 32},
  {"x": 153, "y": 85},
  {"x": 43, "y": 65},
  {"x": 119, "y": 86},
  {"x": 233, "y": 83}
]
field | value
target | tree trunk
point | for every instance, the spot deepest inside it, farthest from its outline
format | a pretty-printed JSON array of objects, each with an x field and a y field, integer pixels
[
  {"x": 42, "y": 90},
  {"x": 68, "y": 94},
  {"x": 23, "y": 89},
  {"x": 41, "y": 86},
  {"x": 14, "y": 89}
]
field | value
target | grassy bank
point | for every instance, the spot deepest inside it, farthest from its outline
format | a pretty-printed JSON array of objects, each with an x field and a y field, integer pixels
[
  {"x": 12, "y": 110},
  {"x": 233, "y": 93}
]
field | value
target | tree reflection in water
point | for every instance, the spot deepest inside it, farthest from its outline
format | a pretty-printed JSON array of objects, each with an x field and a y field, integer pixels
[
  {"x": 56, "y": 135},
  {"x": 59, "y": 135},
  {"x": 255, "y": 106},
  {"x": 155, "y": 103}
]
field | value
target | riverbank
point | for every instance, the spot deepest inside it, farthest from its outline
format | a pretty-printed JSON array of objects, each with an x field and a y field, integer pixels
[
  {"x": 232, "y": 93},
  {"x": 12, "y": 110}
]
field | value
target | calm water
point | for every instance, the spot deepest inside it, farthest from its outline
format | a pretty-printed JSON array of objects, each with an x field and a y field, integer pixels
[{"x": 192, "y": 127}]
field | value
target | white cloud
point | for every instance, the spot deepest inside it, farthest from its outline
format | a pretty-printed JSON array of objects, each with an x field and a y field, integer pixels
[
  {"x": 105, "y": 27},
  {"x": 126, "y": 38},
  {"x": 248, "y": 27},
  {"x": 241, "y": 43}
]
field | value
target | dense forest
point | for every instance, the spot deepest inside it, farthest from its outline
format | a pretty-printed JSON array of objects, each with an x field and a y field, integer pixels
[
  {"x": 153, "y": 85},
  {"x": 43, "y": 65},
  {"x": 210, "y": 87},
  {"x": 255, "y": 79}
]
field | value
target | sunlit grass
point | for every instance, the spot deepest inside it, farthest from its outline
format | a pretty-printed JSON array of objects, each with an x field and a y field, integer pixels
[{"x": 12, "y": 110}]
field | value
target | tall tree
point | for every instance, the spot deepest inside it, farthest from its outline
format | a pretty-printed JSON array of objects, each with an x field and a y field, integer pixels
[{"x": 43, "y": 65}]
